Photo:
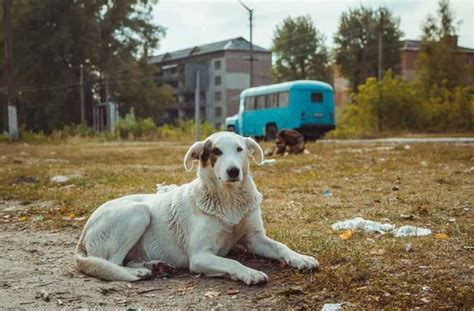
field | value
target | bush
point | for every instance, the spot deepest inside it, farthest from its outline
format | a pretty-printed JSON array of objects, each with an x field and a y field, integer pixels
[
  {"x": 131, "y": 127},
  {"x": 394, "y": 105},
  {"x": 30, "y": 136},
  {"x": 5, "y": 137},
  {"x": 388, "y": 105},
  {"x": 450, "y": 110}
]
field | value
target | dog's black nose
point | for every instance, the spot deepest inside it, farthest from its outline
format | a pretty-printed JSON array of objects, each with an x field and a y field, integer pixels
[{"x": 233, "y": 172}]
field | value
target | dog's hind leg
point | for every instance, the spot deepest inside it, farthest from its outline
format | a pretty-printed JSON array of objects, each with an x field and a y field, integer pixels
[{"x": 109, "y": 237}]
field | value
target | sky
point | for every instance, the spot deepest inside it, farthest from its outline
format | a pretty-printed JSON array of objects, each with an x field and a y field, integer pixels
[{"x": 194, "y": 22}]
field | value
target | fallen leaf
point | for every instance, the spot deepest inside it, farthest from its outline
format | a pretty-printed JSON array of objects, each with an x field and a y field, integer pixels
[
  {"x": 212, "y": 294},
  {"x": 346, "y": 235},
  {"x": 233, "y": 292},
  {"x": 441, "y": 236}
]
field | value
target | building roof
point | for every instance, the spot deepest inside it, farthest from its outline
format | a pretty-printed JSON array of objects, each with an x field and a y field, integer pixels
[
  {"x": 415, "y": 45},
  {"x": 235, "y": 44}
]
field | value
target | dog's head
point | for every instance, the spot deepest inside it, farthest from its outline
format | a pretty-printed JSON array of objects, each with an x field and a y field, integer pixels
[{"x": 224, "y": 154}]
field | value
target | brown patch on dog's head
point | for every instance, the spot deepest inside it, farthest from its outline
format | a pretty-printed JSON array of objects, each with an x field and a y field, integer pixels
[
  {"x": 206, "y": 153},
  {"x": 213, "y": 158}
]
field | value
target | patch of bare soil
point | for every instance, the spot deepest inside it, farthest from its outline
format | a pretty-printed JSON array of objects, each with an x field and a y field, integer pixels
[{"x": 38, "y": 272}]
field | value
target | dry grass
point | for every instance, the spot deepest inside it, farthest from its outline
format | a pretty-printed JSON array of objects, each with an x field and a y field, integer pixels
[{"x": 434, "y": 183}]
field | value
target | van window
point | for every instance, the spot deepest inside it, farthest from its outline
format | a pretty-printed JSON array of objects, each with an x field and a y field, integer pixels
[
  {"x": 260, "y": 101},
  {"x": 272, "y": 100},
  {"x": 316, "y": 97},
  {"x": 250, "y": 103},
  {"x": 283, "y": 99}
]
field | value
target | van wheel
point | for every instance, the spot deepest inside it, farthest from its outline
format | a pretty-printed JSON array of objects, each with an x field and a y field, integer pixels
[
  {"x": 231, "y": 128},
  {"x": 271, "y": 132}
]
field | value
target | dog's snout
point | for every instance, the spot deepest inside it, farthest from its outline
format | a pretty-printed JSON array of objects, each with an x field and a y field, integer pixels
[{"x": 233, "y": 172}]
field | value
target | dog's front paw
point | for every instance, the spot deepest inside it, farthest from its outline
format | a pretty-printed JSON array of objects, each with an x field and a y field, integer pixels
[
  {"x": 252, "y": 277},
  {"x": 302, "y": 262}
]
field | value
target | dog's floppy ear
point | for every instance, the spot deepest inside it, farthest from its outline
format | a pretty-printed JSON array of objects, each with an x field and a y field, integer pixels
[
  {"x": 193, "y": 154},
  {"x": 256, "y": 151}
]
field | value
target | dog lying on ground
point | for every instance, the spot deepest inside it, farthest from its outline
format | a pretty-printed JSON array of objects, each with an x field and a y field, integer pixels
[
  {"x": 191, "y": 226},
  {"x": 287, "y": 142}
]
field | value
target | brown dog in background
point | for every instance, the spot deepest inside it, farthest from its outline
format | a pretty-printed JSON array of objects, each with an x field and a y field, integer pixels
[{"x": 288, "y": 142}]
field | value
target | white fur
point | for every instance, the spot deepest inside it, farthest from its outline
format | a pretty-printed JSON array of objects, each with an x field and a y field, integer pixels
[{"x": 191, "y": 226}]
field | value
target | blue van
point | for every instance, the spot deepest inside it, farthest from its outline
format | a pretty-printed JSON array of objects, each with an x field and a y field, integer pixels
[{"x": 306, "y": 106}]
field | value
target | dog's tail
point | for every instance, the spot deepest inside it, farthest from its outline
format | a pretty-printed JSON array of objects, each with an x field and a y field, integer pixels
[{"x": 99, "y": 267}]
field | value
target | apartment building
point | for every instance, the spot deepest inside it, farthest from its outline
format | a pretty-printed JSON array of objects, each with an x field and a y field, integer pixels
[{"x": 224, "y": 71}]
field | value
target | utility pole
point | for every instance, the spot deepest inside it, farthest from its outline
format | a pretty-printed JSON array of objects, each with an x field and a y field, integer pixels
[
  {"x": 197, "y": 95},
  {"x": 107, "y": 94},
  {"x": 81, "y": 93},
  {"x": 380, "y": 56},
  {"x": 11, "y": 90},
  {"x": 251, "y": 40}
]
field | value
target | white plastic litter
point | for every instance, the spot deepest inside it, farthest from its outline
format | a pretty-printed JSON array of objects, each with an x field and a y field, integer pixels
[
  {"x": 162, "y": 188},
  {"x": 269, "y": 162},
  {"x": 410, "y": 231},
  {"x": 373, "y": 226},
  {"x": 363, "y": 224},
  {"x": 332, "y": 306},
  {"x": 60, "y": 179}
]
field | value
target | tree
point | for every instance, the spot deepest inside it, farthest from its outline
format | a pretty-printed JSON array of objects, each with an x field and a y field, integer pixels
[
  {"x": 300, "y": 52},
  {"x": 110, "y": 39},
  {"x": 439, "y": 64},
  {"x": 356, "y": 43}
]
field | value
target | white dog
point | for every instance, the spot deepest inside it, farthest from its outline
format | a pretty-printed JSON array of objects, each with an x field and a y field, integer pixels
[{"x": 191, "y": 226}]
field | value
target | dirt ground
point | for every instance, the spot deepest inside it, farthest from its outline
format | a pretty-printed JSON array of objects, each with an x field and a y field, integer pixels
[
  {"x": 38, "y": 273},
  {"x": 428, "y": 185}
]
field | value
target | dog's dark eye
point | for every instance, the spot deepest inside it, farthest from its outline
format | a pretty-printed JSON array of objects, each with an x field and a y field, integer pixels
[
  {"x": 216, "y": 151},
  {"x": 239, "y": 149}
]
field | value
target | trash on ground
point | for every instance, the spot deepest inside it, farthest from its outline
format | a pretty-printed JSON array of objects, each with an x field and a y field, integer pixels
[
  {"x": 346, "y": 235},
  {"x": 407, "y": 217},
  {"x": 63, "y": 179},
  {"x": 362, "y": 224},
  {"x": 326, "y": 193},
  {"x": 409, "y": 247},
  {"x": 407, "y": 147},
  {"x": 162, "y": 188},
  {"x": 441, "y": 236},
  {"x": 268, "y": 162},
  {"x": 424, "y": 163},
  {"x": 410, "y": 231},
  {"x": 332, "y": 306},
  {"x": 373, "y": 226},
  {"x": 23, "y": 218}
]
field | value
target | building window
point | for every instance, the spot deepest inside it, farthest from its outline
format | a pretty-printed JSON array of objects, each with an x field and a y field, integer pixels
[
  {"x": 217, "y": 112},
  {"x": 217, "y": 65},
  {"x": 217, "y": 96},
  {"x": 283, "y": 99},
  {"x": 217, "y": 80}
]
